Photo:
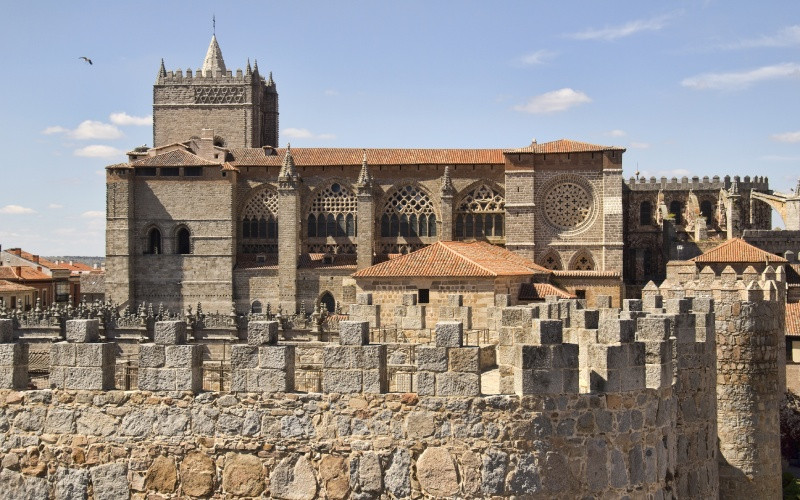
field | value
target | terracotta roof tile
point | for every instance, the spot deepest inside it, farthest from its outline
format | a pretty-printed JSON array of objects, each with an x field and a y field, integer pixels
[
  {"x": 793, "y": 318},
  {"x": 317, "y": 261},
  {"x": 175, "y": 158},
  {"x": 564, "y": 146},
  {"x": 7, "y": 286},
  {"x": 738, "y": 251},
  {"x": 455, "y": 259},
  {"x": 538, "y": 291},
  {"x": 93, "y": 283},
  {"x": 574, "y": 273},
  {"x": 30, "y": 258},
  {"x": 353, "y": 156},
  {"x": 26, "y": 274}
]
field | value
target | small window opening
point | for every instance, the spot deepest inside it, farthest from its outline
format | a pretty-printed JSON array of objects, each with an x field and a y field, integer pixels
[{"x": 423, "y": 295}]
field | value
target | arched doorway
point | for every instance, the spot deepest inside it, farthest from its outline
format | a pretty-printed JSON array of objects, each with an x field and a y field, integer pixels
[{"x": 328, "y": 302}]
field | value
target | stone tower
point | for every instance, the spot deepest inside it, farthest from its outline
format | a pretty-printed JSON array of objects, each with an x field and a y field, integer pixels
[
  {"x": 288, "y": 232},
  {"x": 242, "y": 108}
]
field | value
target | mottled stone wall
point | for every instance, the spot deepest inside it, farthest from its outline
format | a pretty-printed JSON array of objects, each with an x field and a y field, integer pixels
[{"x": 302, "y": 446}]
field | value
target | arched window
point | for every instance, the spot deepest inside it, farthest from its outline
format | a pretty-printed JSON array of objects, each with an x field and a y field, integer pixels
[
  {"x": 259, "y": 223},
  {"x": 676, "y": 208},
  {"x": 255, "y": 307},
  {"x": 410, "y": 213},
  {"x": 334, "y": 208},
  {"x": 707, "y": 210},
  {"x": 184, "y": 243},
  {"x": 582, "y": 261},
  {"x": 480, "y": 214},
  {"x": 154, "y": 242},
  {"x": 645, "y": 213},
  {"x": 551, "y": 260},
  {"x": 328, "y": 302}
]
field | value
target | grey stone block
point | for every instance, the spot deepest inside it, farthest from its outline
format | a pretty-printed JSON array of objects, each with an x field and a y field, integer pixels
[
  {"x": 170, "y": 333},
  {"x": 371, "y": 357},
  {"x": 13, "y": 355},
  {"x": 156, "y": 379},
  {"x": 449, "y": 334},
  {"x": 244, "y": 357},
  {"x": 653, "y": 328},
  {"x": 151, "y": 356},
  {"x": 652, "y": 301},
  {"x": 14, "y": 377},
  {"x": 95, "y": 355},
  {"x": 187, "y": 379},
  {"x": 565, "y": 356},
  {"x": 616, "y": 330},
  {"x": 56, "y": 377},
  {"x": 458, "y": 384},
  {"x": 341, "y": 357},
  {"x": 262, "y": 332},
  {"x": 678, "y": 306},
  {"x": 415, "y": 321},
  {"x": 603, "y": 301},
  {"x": 538, "y": 381},
  {"x": 354, "y": 332},
  {"x": 374, "y": 381},
  {"x": 548, "y": 331},
  {"x": 341, "y": 381},
  {"x": 409, "y": 299},
  {"x": 703, "y": 305},
  {"x": 425, "y": 383},
  {"x": 183, "y": 356},
  {"x": 502, "y": 300},
  {"x": 364, "y": 299},
  {"x": 83, "y": 330},
  {"x": 455, "y": 300},
  {"x": 464, "y": 359},
  {"x": 270, "y": 380},
  {"x": 89, "y": 378},
  {"x": 433, "y": 359},
  {"x": 276, "y": 357},
  {"x": 534, "y": 357},
  {"x": 6, "y": 330},
  {"x": 239, "y": 380},
  {"x": 634, "y": 305}
]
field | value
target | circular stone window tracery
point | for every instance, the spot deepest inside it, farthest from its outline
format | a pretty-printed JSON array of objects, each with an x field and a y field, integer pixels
[{"x": 567, "y": 205}]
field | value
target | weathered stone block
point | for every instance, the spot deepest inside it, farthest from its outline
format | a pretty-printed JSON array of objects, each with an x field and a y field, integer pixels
[
  {"x": 502, "y": 300},
  {"x": 585, "y": 318},
  {"x": 170, "y": 333},
  {"x": 89, "y": 378},
  {"x": 183, "y": 356},
  {"x": 374, "y": 381},
  {"x": 464, "y": 359},
  {"x": 371, "y": 357},
  {"x": 653, "y": 328},
  {"x": 262, "y": 332},
  {"x": 534, "y": 357},
  {"x": 364, "y": 299},
  {"x": 276, "y": 357},
  {"x": 270, "y": 380},
  {"x": 433, "y": 359},
  {"x": 455, "y": 300},
  {"x": 83, "y": 330},
  {"x": 187, "y": 379},
  {"x": 6, "y": 330},
  {"x": 14, "y": 355},
  {"x": 95, "y": 355},
  {"x": 538, "y": 381},
  {"x": 633, "y": 305},
  {"x": 449, "y": 334},
  {"x": 244, "y": 357},
  {"x": 565, "y": 356},
  {"x": 425, "y": 383},
  {"x": 409, "y": 299},
  {"x": 616, "y": 330},
  {"x": 415, "y": 321},
  {"x": 14, "y": 377},
  {"x": 151, "y": 356},
  {"x": 678, "y": 306},
  {"x": 341, "y": 381},
  {"x": 341, "y": 357},
  {"x": 354, "y": 333},
  {"x": 458, "y": 384},
  {"x": 548, "y": 331},
  {"x": 603, "y": 301},
  {"x": 652, "y": 301}
]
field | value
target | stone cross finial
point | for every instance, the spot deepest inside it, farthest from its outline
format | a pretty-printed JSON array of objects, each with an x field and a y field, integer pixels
[{"x": 364, "y": 177}]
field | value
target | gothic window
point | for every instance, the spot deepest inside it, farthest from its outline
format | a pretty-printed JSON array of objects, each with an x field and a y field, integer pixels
[
  {"x": 328, "y": 302},
  {"x": 551, "y": 260},
  {"x": 332, "y": 213},
  {"x": 645, "y": 213},
  {"x": 707, "y": 210},
  {"x": 184, "y": 244},
  {"x": 480, "y": 214},
  {"x": 259, "y": 223},
  {"x": 676, "y": 208},
  {"x": 408, "y": 213},
  {"x": 582, "y": 261},
  {"x": 154, "y": 242}
]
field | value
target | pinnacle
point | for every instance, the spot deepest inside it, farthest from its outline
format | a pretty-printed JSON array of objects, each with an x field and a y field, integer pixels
[
  {"x": 447, "y": 182},
  {"x": 288, "y": 169},
  {"x": 364, "y": 176},
  {"x": 162, "y": 71},
  {"x": 213, "y": 60}
]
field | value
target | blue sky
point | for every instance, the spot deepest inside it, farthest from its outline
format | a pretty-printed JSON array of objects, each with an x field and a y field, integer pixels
[{"x": 690, "y": 88}]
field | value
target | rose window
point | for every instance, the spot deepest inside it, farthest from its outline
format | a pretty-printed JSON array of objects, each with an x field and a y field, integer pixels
[{"x": 567, "y": 205}]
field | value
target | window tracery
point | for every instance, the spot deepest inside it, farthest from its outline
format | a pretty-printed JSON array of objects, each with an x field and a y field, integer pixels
[
  {"x": 408, "y": 213},
  {"x": 582, "y": 261},
  {"x": 259, "y": 223},
  {"x": 551, "y": 260},
  {"x": 333, "y": 213},
  {"x": 480, "y": 214}
]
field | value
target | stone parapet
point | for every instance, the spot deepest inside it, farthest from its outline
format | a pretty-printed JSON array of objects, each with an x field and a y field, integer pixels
[
  {"x": 448, "y": 368},
  {"x": 168, "y": 364},
  {"x": 82, "y": 362},
  {"x": 264, "y": 368},
  {"x": 354, "y": 366}
]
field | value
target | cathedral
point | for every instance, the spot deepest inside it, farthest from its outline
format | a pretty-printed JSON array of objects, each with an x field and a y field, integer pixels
[{"x": 217, "y": 213}]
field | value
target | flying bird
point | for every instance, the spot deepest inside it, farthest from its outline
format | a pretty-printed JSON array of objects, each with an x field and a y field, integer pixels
[{"x": 86, "y": 59}]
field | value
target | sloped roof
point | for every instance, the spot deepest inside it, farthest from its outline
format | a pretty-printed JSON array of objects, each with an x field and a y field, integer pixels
[
  {"x": 738, "y": 251},
  {"x": 354, "y": 156},
  {"x": 575, "y": 273},
  {"x": 175, "y": 158},
  {"x": 26, "y": 274},
  {"x": 93, "y": 283},
  {"x": 455, "y": 259},
  {"x": 30, "y": 258},
  {"x": 793, "y": 318},
  {"x": 7, "y": 286},
  {"x": 317, "y": 261},
  {"x": 564, "y": 146},
  {"x": 213, "y": 61},
  {"x": 538, "y": 291}
]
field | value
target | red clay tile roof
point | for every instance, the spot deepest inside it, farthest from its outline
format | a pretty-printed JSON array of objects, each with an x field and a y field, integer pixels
[
  {"x": 793, "y": 318},
  {"x": 7, "y": 286},
  {"x": 574, "y": 273},
  {"x": 738, "y": 251},
  {"x": 26, "y": 274},
  {"x": 455, "y": 259},
  {"x": 175, "y": 158},
  {"x": 538, "y": 291},
  {"x": 564, "y": 146},
  {"x": 317, "y": 261},
  {"x": 353, "y": 156},
  {"x": 29, "y": 257}
]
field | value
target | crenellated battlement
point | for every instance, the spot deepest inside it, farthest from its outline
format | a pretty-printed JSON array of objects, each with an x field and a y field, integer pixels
[
  {"x": 218, "y": 77},
  {"x": 696, "y": 183}
]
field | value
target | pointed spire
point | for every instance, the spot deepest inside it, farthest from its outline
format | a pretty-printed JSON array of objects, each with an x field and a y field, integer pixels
[
  {"x": 364, "y": 177},
  {"x": 162, "y": 71},
  {"x": 255, "y": 66},
  {"x": 213, "y": 60},
  {"x": 248, "y": 71},
  {"x": 288, "y": 170},
  {"x": 270, "y": 81},
  {"x": 447, "y": 182}
]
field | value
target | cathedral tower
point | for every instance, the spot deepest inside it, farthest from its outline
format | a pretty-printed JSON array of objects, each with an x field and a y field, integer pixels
[{"x": 242, "y": 108}]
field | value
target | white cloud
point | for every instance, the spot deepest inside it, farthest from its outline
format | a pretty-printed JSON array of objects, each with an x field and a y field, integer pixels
[
  {"x": 123, "y": 118},
  {"x": 551, "y": 102},
  {"x": 87, "y": 129},
  {"x": 639, "y": 145},
  {"x": 787, "y": 137},
  {"x": 55, "y": 206},
  {"x": 331, "y": 92},
  {"x": 55, "y": 130},
  {"x": 627, "y": 29},
  {"x": 16, "y": 210},
  {"x": 98, "y": 151},
  {"x": 616, "y": 133},
  {"x": 786, "y": 37},
  {"x": 538, "y": 57},
  {"x": 93, "y": 214},
  {"x": 743, "y": 79},
  {"x": 304, "y": 133}
]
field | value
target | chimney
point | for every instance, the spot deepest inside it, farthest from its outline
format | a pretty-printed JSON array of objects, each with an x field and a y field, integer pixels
[
  {"x": 18, "y": 271},
  {"x": 35, "y": 258}
]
